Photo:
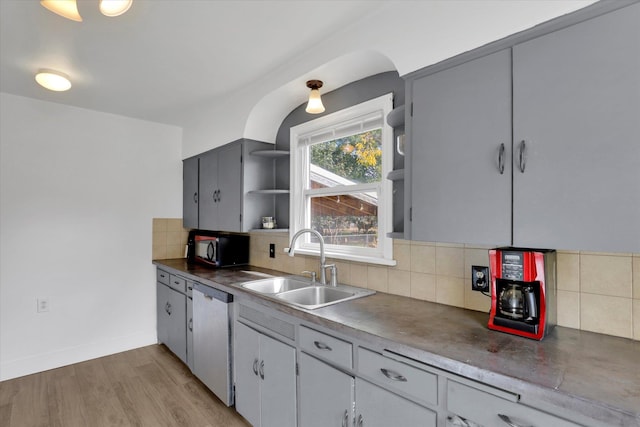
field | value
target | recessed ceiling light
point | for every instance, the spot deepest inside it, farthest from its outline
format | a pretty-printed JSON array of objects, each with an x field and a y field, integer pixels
[
  {"x": 53, "y": 80},
  {"x": 66, "y": 8},
  {"x": 114, "y": 7}
]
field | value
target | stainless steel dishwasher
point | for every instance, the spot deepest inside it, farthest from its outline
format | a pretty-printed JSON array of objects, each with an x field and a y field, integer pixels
[{"x": 212, "y": 310}]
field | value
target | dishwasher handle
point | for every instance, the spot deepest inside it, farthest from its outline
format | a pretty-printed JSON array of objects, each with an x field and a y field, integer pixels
[{"x": 214, "y": 293}]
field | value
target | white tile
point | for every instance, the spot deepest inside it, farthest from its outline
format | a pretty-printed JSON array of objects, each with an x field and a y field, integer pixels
[
  {"x": 606, "y": 315},
  {"x": 606, "y": 275},
  {"x": 568, "y": 271},
  {"x": 568, "y": 305}
]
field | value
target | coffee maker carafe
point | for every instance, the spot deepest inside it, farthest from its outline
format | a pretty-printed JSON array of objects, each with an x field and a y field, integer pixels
[{"x": 523, "y": 291}]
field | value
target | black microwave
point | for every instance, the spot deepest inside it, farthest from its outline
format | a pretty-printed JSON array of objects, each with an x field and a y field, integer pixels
[{"x": 218, "y": 249}]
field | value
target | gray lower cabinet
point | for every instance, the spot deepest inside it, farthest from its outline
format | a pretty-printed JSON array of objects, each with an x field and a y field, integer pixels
[
  {"x": 534, "y": 145},
  {"x": 327, "y": 395},
  {"x": 576, "y": 110},
  {"x": 171, "y": 313},
  {"x": 265, "y": 379}
]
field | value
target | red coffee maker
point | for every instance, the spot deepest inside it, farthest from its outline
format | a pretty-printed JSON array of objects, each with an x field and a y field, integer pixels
[{"x": 523, "y": 291}]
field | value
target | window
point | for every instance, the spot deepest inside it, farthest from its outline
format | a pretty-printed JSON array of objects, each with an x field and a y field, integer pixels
[{"x": 339, "y": 164}]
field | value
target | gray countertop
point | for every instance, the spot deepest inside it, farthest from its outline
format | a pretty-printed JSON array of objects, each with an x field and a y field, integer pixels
[{"x": 591, "y": 374}]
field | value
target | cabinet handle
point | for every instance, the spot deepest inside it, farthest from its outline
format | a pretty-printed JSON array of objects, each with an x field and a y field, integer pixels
[
  {"x": 523, "y": 156},
  {"x": 262, "y": 370},
  {"x": 163, "y": 276},
  {"x": 360, "y": 421},
  {"x": 321, "y": 346},
  {"x": 167, "y": 308},
  {"x": 501, "y": 159},
  {"x": 393, "y": 375},
  {"x": 195, "y": 197},
  {"x": 510, "y": 423},
  {"x": 255, "y": 366},
  {"x": 191, "y": 324},
  {"x": 219, "y": 194},
  {"x": 345, "y": 418},
  {"x": 458, "y": 420}
]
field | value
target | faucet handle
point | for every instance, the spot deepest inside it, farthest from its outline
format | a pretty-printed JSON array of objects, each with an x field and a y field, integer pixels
[{"x": 312, "y": 274}]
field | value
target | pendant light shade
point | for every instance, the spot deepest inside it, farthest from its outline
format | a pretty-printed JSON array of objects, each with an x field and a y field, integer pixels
[
  {"x": 65, "y": 8},
  {"x": 53, "y": 80},
  {"x": 314, "y": 106},
  {"x": 114, "y": 7}
]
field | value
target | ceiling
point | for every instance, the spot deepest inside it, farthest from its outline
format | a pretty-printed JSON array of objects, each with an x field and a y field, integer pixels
[{"x": 162, "y": 56}]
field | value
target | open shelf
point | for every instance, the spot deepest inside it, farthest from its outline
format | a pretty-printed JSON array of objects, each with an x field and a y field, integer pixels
[
  {"x": 270, "y": 153},
  {"x": 271, "y": 191},
  {"x": 396, "y": 175}
]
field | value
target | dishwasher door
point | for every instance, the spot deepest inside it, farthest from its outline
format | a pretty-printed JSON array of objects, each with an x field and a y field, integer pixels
[{"x": 212, "y": 340}]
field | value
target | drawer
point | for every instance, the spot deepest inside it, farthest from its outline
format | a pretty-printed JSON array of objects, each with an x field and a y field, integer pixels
[
  {"x": 397, "y": 376},
  {"x": 178, "y": 283},
  {"x": 162, "y": 276},
  {"x": 326, "y": 347},
  {"x": 487, "y": 409}
]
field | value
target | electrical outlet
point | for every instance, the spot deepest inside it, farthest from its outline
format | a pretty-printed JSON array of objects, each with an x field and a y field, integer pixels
[
  {"x": 272, "y": 250},
  {"x": 43, "y": 305},
  {"x": 479, "y": 278}
]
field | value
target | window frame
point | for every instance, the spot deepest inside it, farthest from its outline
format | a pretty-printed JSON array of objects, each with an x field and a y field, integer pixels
[{"x": 300, "y": 194}]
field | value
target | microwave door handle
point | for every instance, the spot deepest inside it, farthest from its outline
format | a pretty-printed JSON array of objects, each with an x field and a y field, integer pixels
[
  {"x": 211, "y": 252},
  {"x": 215, "y": 251}
]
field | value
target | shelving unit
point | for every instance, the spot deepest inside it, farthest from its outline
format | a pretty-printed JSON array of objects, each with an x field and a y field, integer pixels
[
  {"x": 275, "y": 154},
  {"x": 265, "y": 193},
  {"x": 269, "y": 191}
]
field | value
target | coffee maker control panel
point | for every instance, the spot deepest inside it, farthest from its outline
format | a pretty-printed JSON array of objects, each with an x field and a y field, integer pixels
[{"x": 512, "y": 265}]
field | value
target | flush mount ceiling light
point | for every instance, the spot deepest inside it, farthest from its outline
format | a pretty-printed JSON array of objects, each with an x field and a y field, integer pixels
[
  {"x": 114, "y": 7},
  {"x": 314, "y": 106},
  {"x": 66, "y": 8},
  {"x": 53, "y": 80},
  {"x": 69, "y": 8}
]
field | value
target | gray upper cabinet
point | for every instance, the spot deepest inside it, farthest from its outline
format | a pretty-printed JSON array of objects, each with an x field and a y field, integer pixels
[
  {"x": 190, "y": 176},
  {"x": 577, "y": 109},
  {"x": 461, "y": 152},
  {"x": 566, "y": 106},
  {"x": 217, "y": 186}
]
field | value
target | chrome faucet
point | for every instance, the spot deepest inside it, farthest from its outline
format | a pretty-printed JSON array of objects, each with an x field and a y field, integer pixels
[{"x": 323, "y": 261}]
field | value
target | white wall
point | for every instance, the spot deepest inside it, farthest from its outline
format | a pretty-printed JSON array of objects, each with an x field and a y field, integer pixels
[{"x": 78, "y": 191}]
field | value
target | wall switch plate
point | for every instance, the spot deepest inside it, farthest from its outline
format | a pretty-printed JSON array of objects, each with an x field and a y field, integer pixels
[
  {"x": 43, "y": 305},
  {"x": 479, "y": 278},
  {"x": 272, "y": 250}
]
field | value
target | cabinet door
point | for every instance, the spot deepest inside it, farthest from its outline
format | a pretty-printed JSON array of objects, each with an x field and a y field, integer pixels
[
  {"x": 326, "y": 394},
  {"x": 190, "y": 193},
  {"x": 229, "y": 187},
  {"x": 377, "y": 407},
  {"x": 576, "y": 107},
  {"x": 175, "y": 310},
  {"x": 208, "y": 195},
  {"x": 162, "y": 311},
  {"x": 246, "y": 361},
  {"x": 278, "y": 387},
  {"x": 461, "y": 139}
]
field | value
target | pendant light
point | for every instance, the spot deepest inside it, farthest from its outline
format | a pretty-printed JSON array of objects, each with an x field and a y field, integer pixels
[
  {"x": 114, "y": 7},
  {"x": 314, "y": 106},
  {"x": 53, "y": 80}
]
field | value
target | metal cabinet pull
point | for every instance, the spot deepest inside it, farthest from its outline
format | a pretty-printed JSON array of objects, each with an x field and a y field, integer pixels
[
  {"x": 321, "y": 346},
  {"x": 345, "y": 418},
  {"x": 219, "y": 198},
  {"x": 195, "y": 197},
  {"x": 393, "y": 375},
  {"x": 167, "y": 308},
  {"x": 523, "y": 156},
  {"x": 191, "y": 324},
  {"x": 262, "y": 370},
  {"x": 360, "y": 421},
  {"x": 255, "y": 366},
  {"x": 501, "y": 159},
  {"x": 510, "y": 423}
]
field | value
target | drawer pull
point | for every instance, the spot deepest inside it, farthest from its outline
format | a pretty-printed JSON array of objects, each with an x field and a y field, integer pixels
[
  {"x": 321, "y": 346},
  {"x": 393, "y": 375},
  {"x": 510, "y": 423}
]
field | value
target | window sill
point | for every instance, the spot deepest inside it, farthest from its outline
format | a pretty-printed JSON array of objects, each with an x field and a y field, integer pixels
[{"x": 348, "y": 257}]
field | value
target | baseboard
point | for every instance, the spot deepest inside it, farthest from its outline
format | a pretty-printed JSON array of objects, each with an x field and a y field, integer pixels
[{"x": 56, "y": 359}]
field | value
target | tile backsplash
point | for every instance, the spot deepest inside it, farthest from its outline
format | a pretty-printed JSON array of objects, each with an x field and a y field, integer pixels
[{"x": 597, "y": 292}]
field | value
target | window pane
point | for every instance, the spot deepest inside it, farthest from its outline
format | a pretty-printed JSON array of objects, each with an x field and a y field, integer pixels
[
  {"x": 346, "y": 219},
  {"x": 355, "y": 159}
]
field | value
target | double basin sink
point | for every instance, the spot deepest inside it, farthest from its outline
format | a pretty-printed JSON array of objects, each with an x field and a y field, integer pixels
[{"x": 303, "y": 293}]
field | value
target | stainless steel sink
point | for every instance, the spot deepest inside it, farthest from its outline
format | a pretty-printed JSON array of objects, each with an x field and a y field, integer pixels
[
  {"x": 315, "y": 296},
  {"x": 300, "y": 292},
  {"x": 276, "y": 285}
]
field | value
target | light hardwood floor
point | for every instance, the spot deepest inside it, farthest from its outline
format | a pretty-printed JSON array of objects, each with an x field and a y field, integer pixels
[{"x": 143, "y": 387}]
